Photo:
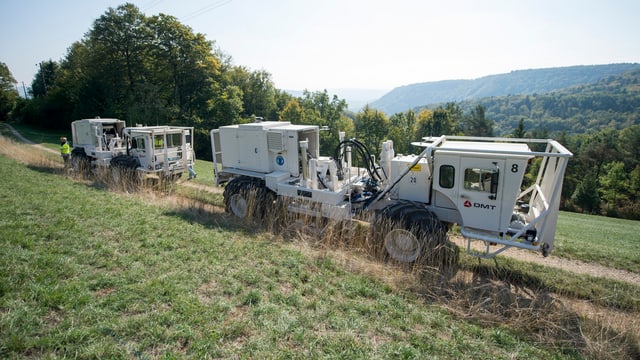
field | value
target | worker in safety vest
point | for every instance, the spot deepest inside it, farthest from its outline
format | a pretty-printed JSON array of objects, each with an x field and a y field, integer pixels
[{"x": 65, "y": 151}]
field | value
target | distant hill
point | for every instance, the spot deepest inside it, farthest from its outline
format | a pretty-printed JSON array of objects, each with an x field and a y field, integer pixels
[
  {"x": 611, "y": 102},
  {"x": 519, "y": 82}
]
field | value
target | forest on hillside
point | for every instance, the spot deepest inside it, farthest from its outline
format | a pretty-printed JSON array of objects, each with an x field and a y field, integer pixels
[
  {"x": 154, "y": 70},
  {"x": 613, "y": 102}
]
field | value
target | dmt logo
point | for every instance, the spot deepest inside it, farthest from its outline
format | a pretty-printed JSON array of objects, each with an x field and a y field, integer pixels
[
  {"x": 469, "y": 204},
  {"x": 484, "y": 206}
]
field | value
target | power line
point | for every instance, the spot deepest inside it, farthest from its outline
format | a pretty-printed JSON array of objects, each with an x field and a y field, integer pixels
[
  {"x": 151, "y": 4},
  {"x": 206, "y": 9}
]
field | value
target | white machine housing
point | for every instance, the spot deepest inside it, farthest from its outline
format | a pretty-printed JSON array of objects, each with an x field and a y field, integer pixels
[
  {"x": 101, "y": 139},
  {"x": 268, "y": 146}
]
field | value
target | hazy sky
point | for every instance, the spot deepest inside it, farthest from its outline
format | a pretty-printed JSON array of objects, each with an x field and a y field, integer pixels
[{"x": 329, "y": 44}]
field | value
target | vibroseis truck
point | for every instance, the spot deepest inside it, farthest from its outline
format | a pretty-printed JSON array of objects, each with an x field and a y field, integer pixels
[
  {"x": 409, "y": 200},
  {"x": 158, "y": 151}
]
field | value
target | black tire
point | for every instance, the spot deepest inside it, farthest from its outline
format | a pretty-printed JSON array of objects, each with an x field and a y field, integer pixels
[
  {"x": 410, "y": 233},
  {"x": 124, "y": 162},
  {"x": 80, "y": 162},
  {"x": 123, "y": 171},
  {"x": 246, "y": 197}
]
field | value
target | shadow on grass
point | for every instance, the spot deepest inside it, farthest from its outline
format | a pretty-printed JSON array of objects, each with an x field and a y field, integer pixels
[
  {"x": 210, "y": 217},
  {"x": 46, "y": 169}
]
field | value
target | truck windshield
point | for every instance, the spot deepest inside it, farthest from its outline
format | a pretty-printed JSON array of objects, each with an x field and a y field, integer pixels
[{"x": 174, "y": 140}]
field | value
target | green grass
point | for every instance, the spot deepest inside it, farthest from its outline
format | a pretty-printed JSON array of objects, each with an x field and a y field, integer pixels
[
  {"x": 607, "y": 241},
  {"x": 208, "y": 197},
  {"x": 92, "y": 274},
  {"x": 48, "y": 138},
  {"x": 204, "y": 169}
]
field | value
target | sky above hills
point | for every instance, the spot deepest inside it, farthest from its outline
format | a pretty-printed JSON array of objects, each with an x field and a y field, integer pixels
[{"x": 363, "y": 44}]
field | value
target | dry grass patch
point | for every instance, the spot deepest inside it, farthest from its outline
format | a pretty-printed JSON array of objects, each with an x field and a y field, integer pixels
[
  {"x": 30, "y": 156},
  {"x": 550, "y": 319}
]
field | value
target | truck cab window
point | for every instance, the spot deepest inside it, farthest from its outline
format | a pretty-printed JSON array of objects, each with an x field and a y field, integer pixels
[
  {"x": 447, "y": 176},
  {"x": 139, "y": 143},
  {"x": 481, "y": 179},
  {"x": 158, "y": 141},
  {"x": 175, "y": 140}
]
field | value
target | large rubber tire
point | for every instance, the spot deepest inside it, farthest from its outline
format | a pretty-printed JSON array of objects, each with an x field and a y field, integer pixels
[
  {"x": 123, "y": 171},
  {"x": 246, "y": 197},
  {"x": 412, "y": 233},
  {"x": 172, "y": 178},
  {"x": 124, "y": 162},
  {"x": 80, "y": 162}
]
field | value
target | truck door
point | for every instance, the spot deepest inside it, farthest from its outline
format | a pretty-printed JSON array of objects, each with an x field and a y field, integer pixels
[
  {"x": 480, "y": 189},
  {"x": 141, "y": 149}
]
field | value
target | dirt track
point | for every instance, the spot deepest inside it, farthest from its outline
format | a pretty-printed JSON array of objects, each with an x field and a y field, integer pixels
[
  {"x": 25, "y": 140},
  {"x": 575, "y": 266}
]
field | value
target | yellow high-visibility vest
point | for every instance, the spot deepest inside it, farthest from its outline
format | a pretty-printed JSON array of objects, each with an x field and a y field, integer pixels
[{"x": 64, "y": 149}]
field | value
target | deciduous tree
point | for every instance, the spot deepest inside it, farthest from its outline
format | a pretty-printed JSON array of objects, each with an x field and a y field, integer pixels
[
  {"x": 372, "y": 127},
  {"x": 183, "y": 66},
  {"x": 119, "y": 48},
  {"x": 8, "y": 92},
  {"x": 629, "y": 144},
  {"x": 614, "y": 183},
  {"x": 292, "y": 112},
  {"x": 402, "y": 130},
  {"x": 44, "y": 78}
]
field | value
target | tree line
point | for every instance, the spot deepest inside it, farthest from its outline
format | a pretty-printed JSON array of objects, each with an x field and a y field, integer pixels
[{"x": 157, "y": 71}]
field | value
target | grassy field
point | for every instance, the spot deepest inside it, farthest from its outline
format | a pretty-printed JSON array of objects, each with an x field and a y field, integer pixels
[
  {"x": 91, "y": 273},
  {"x": 607, "y": 241}
]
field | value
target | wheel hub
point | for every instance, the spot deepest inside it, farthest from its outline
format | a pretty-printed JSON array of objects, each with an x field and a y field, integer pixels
[
  {"x": 238, "y": 205},
  {"x": 402, "y": 245}
]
